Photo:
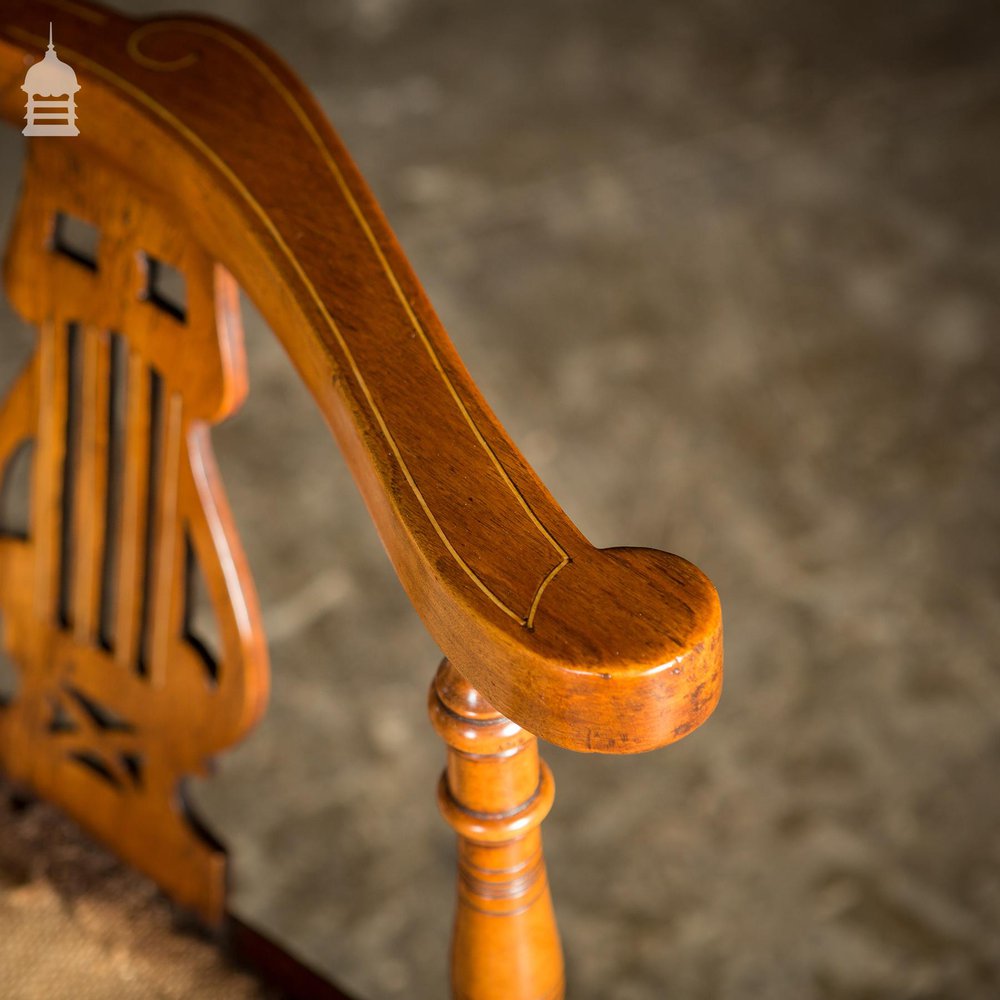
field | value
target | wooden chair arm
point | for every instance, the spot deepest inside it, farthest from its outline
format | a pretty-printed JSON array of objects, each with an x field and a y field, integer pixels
[{"x": 614, "y": 650}]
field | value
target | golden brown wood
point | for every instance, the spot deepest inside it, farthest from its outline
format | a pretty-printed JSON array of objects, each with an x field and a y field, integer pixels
[
  {"x": 134, "y": 508},
  {"x": 91, "y": 485},
  {"x": 107, "y": 725},
  {"x": 495, "y": 793},
  {"x": 614, "y": 650}
]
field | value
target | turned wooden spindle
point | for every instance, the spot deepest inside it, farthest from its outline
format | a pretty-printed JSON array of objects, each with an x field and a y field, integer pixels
[{"x": 494, "y": 793}]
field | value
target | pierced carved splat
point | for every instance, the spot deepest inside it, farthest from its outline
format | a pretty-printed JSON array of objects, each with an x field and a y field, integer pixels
[{"x": 119, "y": 700}]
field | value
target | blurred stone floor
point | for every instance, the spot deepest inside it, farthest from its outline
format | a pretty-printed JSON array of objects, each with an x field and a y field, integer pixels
[{"x": 729, "y": 275}]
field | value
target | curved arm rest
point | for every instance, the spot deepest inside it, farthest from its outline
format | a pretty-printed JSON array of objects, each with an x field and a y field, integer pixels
[{"x": 615, "y": 650}]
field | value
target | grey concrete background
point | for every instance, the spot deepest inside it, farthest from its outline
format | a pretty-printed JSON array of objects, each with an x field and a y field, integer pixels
[{"x": 728, "y": 272}]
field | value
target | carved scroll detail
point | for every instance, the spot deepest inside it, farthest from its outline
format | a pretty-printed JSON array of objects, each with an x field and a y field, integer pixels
[{"x": 118, "y": 700}]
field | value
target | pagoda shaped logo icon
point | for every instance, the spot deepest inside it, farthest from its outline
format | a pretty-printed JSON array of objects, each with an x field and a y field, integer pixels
[{"x": 51, "y": 87}]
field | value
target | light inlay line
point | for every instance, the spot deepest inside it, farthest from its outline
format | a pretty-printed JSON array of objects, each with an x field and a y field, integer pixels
[{"x": 258, "y": 209}]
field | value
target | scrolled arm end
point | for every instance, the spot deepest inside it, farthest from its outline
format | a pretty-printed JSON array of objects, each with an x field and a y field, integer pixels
[{"x": 624, "y": 654}]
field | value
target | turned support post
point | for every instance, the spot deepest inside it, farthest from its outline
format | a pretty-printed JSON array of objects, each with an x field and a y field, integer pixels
[{"x": 494, "y": 793}]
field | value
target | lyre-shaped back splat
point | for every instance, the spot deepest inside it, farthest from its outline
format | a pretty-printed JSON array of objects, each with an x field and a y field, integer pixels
[{"x": 118, "y": 699}]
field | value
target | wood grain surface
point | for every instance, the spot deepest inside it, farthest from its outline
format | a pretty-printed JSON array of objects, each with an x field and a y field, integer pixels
[{"x": 614, "y": 650}]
